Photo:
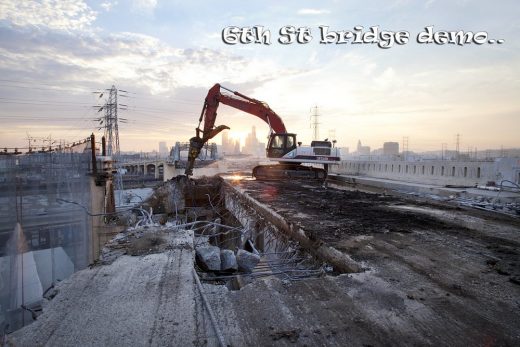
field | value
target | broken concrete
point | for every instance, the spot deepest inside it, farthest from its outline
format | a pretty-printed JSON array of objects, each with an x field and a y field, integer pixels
[
  {"x": 237, "y": 199},
  {"x": 208, "y": 258},
  {"x": 247, "y": 260},
  {"x": 428, "y": 279},
  {"x": 228, "y": 261},
  {"x": 136, "y": 301}
]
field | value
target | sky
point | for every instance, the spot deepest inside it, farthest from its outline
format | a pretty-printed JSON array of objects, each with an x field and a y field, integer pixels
[{"x": 55, "y": 54}]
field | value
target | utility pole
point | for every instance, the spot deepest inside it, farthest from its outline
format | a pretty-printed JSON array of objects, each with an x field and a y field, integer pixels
[
  {"x": 315, "y": 124},
  {"x": 443, "y": 150},
  {"x": 332, "y": 135},
  {"x": 49, "y": 141},
  {"x": 405, "y": 147},
  {"x": 45, "y": 143},
  {"x": 29, "y": 140},
  {"x": 457, "y": 146}
]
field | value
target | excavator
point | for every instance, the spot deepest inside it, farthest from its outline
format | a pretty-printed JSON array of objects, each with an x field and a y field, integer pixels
[{"x": 281, "y": 146}]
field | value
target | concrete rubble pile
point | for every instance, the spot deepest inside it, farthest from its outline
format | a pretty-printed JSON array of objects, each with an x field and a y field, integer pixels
[
  {"x": 213, "y": 259},
  {"x": 142, "y": 241}
]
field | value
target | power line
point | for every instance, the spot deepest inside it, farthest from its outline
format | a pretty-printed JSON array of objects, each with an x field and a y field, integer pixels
[
  {"x": 315, "y": 124},
  {"x": 46, "y": 101},
  {"x": 66, "y": 104},
  {"x": 61, "y": 89},
  {"x": 31, "y": 85},
  {"x": 62, "y": 119},
  {"x": 28, "y": 82}
]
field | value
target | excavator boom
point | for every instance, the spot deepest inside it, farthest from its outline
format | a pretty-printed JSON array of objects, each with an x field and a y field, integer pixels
[
  {"x": 209, "y": 116},
  {"x": 241, "y": 102},
  {"x": 281, "y": 147}
]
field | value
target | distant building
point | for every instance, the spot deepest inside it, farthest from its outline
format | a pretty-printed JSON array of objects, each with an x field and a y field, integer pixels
[
  {"x": 252, "y": 145},
  {"x": 391, "y": 148},
  {"x": 163, "y": 149},
  {"x": 229, "y": 146},
  {"x": 344, "y": 152},
  {"x": 362, "y": 150},
  {"x": 377, "y": 152}
]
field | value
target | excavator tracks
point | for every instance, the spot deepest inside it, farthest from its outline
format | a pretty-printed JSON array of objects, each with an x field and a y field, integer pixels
[{"x": 284, "y": 172}]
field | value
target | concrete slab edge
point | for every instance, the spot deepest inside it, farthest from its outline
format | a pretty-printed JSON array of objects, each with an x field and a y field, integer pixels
[{"x": 340, "y": 261}]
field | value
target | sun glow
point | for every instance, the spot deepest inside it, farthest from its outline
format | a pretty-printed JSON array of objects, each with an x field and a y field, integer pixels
[{"x": 236, "y": 135}]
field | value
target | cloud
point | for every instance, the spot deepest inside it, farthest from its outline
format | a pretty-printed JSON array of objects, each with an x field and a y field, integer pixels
[
  {"x": 429, "y": 3},
  {"x": 133, "y": 59},
  {"x": 108, "y": 5},
  {"x": 54, "y": 14},
  {"x": 312, "y": 11},
  {"x": 79, "y": 62},
  {"x": 144, "y": 6}
]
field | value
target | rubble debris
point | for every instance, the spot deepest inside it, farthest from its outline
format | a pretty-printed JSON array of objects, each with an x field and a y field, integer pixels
[
  {"x": 141, "y": 241},
  {"x": 149, "y": 243},
  {"x": 425, "y": 276},
  {"x": 127, "y": 218},
  {"x": 515, "y": 279},
  {"x": 208, "y": 258},
  {"x": 169, "y": 196},
  {"x": 247, "y": 260},
  {"x": 291, "y": 335},
  {"x": 160, "y": 218},
  {"x": 228, "y": 261},
  {"x": 214, "y": 232},
  {"x": 108, "y": 255},
  {"x": 50, "y": 293}
]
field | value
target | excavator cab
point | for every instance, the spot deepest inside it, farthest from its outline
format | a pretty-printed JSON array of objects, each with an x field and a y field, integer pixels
[{"x": 280, "y": 144}]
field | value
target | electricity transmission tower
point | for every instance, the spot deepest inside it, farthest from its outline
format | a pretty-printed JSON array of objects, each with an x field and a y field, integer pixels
[
  {"x": 111, "y": 126},
  {"x": 110, "y": 123},
  {"x": 315, "y": 124}
]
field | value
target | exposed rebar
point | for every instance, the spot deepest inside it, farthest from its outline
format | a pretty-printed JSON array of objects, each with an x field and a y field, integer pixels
[{"x": 221, "y": 340}]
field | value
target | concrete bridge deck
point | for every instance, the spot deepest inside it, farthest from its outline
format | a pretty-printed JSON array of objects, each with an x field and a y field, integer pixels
[{"x": 432, "y": 275}]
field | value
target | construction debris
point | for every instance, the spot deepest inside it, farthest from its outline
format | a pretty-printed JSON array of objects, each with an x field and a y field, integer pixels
[
  {"x": 208, "y": 258},
  {"x": 247, "y": 260},
  {"x": 228, "y": 261},
  {"x": 427, "y": 274}
]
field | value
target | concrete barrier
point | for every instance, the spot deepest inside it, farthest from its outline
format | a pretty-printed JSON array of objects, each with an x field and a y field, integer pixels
[{"x": 437, "y": 172}]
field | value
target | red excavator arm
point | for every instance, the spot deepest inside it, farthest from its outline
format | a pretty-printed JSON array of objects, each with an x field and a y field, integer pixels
[{"x": 209, "y": 115}]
